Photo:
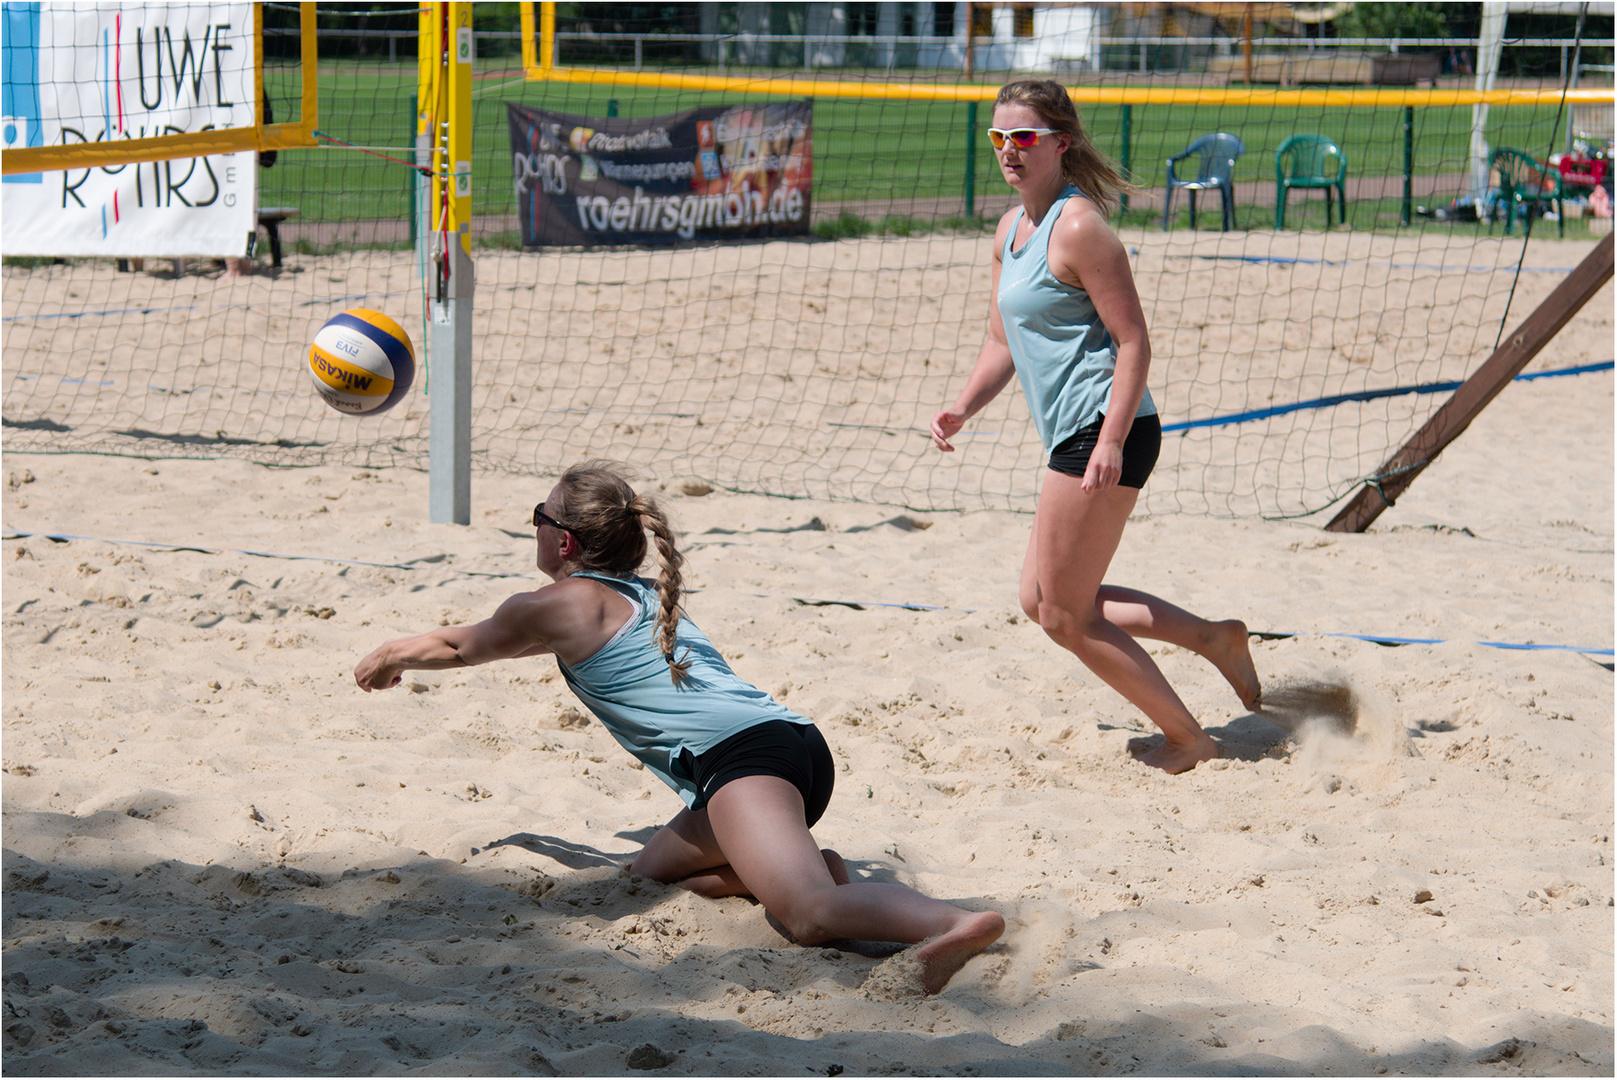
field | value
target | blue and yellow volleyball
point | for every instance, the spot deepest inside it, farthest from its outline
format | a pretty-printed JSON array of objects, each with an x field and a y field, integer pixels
[{"x": 362, "y": 362}]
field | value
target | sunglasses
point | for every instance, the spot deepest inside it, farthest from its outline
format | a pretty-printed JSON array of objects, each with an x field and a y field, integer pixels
[
  {"x": 539, "y": 515},
  {"x": 1021, "y": 138}
]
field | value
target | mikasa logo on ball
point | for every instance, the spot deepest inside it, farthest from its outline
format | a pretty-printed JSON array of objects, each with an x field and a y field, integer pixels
[
  {"x": 340, "y": 375},
  {"x": 362, "y": 362}
]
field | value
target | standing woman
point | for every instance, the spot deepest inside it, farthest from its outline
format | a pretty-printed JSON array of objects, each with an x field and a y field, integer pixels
[
  {"x": 1065, "y": 319},
  {"x": 753, "y": 774}
]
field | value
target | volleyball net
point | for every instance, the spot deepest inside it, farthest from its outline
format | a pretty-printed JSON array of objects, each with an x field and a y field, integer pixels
[{"x": 762, "y": 262}]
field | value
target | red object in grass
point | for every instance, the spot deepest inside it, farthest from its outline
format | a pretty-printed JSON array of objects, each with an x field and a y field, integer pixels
[{"x": 1584, "y": 172}]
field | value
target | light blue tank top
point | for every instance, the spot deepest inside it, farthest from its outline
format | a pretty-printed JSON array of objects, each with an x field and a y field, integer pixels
[
  {"x": 1064, "y": 356},
  {"x": 628, "y": 686}
]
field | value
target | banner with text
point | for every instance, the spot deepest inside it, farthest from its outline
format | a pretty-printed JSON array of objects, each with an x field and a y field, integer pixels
[
  {"x": 80, "y": 73},
  {"x": 714, "y": 173}
]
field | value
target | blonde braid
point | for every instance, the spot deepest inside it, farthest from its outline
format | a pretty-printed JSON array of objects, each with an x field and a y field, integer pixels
[{"x": 669, "y": 581}]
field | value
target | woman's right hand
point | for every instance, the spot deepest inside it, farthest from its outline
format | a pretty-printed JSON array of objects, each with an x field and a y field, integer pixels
[
  {"x": 376, "y": 672},
  {"x": 994, "y": 367},
  {"x": 944, "y": 427}
]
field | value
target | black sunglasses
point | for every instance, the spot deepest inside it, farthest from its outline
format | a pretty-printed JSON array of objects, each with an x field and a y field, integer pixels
[{"x": 539, "y": 515}]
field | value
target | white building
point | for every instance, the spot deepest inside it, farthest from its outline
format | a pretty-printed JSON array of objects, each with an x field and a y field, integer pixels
[{"x": 1007, "y": 37}]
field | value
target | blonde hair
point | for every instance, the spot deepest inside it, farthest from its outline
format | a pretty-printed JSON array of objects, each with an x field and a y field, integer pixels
[
  {"x": 610, "y": 523},
  {"x": 1082, "y": 164}
]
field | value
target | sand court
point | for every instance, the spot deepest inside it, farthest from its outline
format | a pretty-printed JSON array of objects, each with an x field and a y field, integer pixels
[{"x": 222, "y": 857}]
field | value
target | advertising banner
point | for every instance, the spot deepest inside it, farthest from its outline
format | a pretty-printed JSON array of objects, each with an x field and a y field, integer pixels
[
  {"x": 84, "y": 73},
  {"x": 714, "y": 173}
]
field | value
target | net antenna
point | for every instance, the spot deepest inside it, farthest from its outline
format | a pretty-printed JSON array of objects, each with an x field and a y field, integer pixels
[{"x": 292, "y": 135}]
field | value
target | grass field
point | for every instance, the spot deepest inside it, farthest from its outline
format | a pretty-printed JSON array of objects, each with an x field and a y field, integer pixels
[{"x": 913, "y": 155}]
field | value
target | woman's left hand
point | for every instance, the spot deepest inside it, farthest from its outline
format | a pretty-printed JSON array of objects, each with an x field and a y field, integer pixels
[{"x": 1105, "y": 467}]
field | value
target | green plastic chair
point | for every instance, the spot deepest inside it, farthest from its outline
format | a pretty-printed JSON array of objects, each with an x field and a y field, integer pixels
[
  {"x": 1310, "y": 161},
  {"x": 1524, "y": 181}
]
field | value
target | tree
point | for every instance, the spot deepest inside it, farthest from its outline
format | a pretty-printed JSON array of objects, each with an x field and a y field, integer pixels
[{"x": 1395, "y": 20}]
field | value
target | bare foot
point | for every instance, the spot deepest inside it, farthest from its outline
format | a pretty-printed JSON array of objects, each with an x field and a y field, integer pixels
[
  {"x": 1229, "y": 652},
  {"x": 1175, "y": 758},
  {"x": 945, "y": 954}
]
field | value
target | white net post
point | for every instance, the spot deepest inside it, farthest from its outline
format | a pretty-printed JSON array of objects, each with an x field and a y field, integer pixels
[{"x": 449, "y": 472}]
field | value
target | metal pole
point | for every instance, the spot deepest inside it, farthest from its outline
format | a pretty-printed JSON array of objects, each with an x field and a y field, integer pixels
[
  {"x": 1572, "y": 79},
  {"x": 1128, "y": 171},
  {"x": 970, "y": 21},
  {"x": 1409, "y": 161},
  {"x": 971, "y": 158},
  {"x": 1246, "y": 43},
  {"x": 449, "y": 445},
  {"x": 413, "y": 178},
  {"x": 1488, "y": 54}
]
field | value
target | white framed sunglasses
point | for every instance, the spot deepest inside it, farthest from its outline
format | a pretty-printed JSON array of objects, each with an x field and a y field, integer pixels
[{"x": 1021, "y": 138}]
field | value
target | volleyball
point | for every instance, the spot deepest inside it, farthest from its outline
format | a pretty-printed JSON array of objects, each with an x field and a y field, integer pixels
[{"x": 362, "y": 362}]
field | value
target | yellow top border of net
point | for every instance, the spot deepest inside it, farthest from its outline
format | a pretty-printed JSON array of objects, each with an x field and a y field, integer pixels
[
  {"x": 537, "y": 67},
  {"x": 1381, "y": 97}
]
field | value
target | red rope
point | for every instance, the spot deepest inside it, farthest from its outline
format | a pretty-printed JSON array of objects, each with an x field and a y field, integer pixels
[{"x": 422, "y": 169}]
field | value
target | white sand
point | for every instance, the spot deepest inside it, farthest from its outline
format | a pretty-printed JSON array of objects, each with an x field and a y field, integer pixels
[{"x": 222, "y": 857}]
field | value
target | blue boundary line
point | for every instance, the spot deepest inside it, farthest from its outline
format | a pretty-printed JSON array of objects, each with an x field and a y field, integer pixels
[
  {"x": 857, "y": 605},
  {"x": 1314, "y": 403},
  {"x": 1368, "y": 395},
  {"x": 1379, "y": 639},
  {"x": 1294, "y": 260}
]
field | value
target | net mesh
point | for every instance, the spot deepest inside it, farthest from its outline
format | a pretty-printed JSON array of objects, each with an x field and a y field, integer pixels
[{"x": 1288, "y": 363}]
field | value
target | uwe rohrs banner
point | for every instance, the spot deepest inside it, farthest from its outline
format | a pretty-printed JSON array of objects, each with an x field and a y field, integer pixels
[
  {"x": 86, "y": 73},
  {"x": 711, "y": 173}
]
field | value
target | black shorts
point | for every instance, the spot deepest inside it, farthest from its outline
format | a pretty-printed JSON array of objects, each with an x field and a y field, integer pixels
[
  {"x": 796, "y": 753},
  {"x": 1140, "y": 450}
]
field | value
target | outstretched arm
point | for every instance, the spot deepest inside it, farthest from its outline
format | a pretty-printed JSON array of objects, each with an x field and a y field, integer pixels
[{"x": 512, "y": 631}]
